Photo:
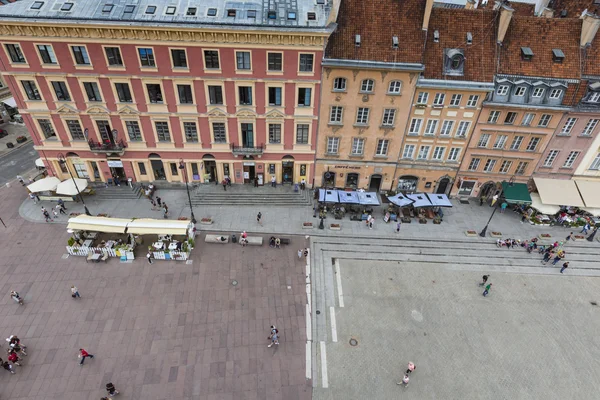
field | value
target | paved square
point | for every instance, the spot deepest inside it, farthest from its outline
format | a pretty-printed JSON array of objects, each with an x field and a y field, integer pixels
[{"x": 533, "y": 337}]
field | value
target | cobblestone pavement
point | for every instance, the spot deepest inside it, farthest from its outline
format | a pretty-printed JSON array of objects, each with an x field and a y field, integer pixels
[{"x": 165, "y": 331}]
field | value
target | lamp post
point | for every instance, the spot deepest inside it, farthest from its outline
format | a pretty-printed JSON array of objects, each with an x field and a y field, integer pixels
[
  {"x": 63, "y": 161},
  {"x": 484, "y": 230},
  {"x": 183, "y": 171},
  {"x": 590, "y": 238}
]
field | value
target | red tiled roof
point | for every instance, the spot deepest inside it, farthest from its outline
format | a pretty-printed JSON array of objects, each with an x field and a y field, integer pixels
[
  {"x": 591, "y": 64},
  {"x": 377, "y": 21},
  {"x": 574, "y": 7},
  {"x": 453, "y": 25}
]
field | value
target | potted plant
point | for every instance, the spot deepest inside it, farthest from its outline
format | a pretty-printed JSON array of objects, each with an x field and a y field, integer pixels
[
  {"x": 496, "y": 234},
  {"x": 21, "y": 139},
  {"x": 545, "y": 236},
  {"x": 191, "y": 243},
  {"x": 206, "y": 221},
  {"x": 471, "y": 233},
  {"x": 335, "y": 227},
  {"x": 307, "y": 225},
  {"x": 437, "y": 220},
  {"x": 406, "y": 220},
  {"x": 71, "y": 242},
  {"x": 422, "y": 220}
]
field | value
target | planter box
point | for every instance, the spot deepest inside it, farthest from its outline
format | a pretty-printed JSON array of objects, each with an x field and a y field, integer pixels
[
  {"x": 307, "y": 225},
  {"x": 471, "y": 233},
  {"x": 437, "y": 222},
  {"x": 335, "y": 227},
  {"x": 182, "y": 219},
  {"x": 545, "y": 236},
  {"x": 206, "y": 221},
  {"x": 422, "y": 221},
  {"x": 21, "y": 139},
  {"x": 497, "y": 235},
  {"x": 579, "y": 237},
  {"x": 406, "y": 220}
]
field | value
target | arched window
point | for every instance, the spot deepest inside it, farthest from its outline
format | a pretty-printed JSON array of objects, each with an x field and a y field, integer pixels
[
  {"x": 339, "y": 84},
  {"x": 395, "y": 87},
  {"x": 367, "y": 85}
]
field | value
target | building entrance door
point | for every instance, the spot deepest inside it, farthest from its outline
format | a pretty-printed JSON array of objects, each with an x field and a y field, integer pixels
[
  {"x": 249, "y": 173},
  {"x": 287, "y": 172},
  {"x": 443, "y": 186},
  {"x": 158, "y": 169},
  {"x": 375, "y": 183}
]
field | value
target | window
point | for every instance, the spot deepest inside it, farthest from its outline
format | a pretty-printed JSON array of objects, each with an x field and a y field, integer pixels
[
  {"x": 538, "y": 92},
  {"x": 438, "y": 153},
  {"x": 245, "y": 93},
  {"x": 367, "y": 85},
  {"x": 395, "y": 87},
  {"x": 219, "y": 133},
  {"x": 483, "y": 140},
  {"x": 75, "y": 129},
  {"x": 243, "y": 60},
  {"x": 311, "y": 16},
  {"x": 212, "y": 12},
  {"x": 231, "y": 12},
  {"x": 113, "y": 55},
  {"x": 191, "y": 132},
  {"x": 489, "y": 165},
  {"x": 447, "y": 128},
  {"x": 251, "y": 14},
  {"x": 439, "y": 99},
  {"x": 415, "y": 126},
  {"x": 274, "y": 133},
  {"x": 185, "y": 94},
  {"x": 162, "y": 131},
  {"x": 104, "y": 130},
  {"x": 544, "y": 120},
  {"x": 274, "y": 96},
  {"x": 123, "y": 92},
  {"x": 81, "y": 55},
  {"x": 179, "y": 58},
  {"x": 431, "y": 127},
  {"x": 455, "y": 100},
  {"x": 568, "y": 127},
  {"x": 211, "y": 59},
  {"x": 520, "y": 91},
  {"x": 47, "y": 54},
  {"x": 453, "y": 154},
  {"x": 409, "y": 151},
  {"x": 31, "y": 90},
  {"x": 134, "y": 131},
  {"x": 339, "y": 84},
  {"x": 147, "y": 57},
  {"x": 333, "y": 144},
  {"x": 306, "y": 62},
  {"x": 463, "y": 128},
  {"x": 596, "y": 163},
  {"x": 472, "y": 102},
  {"x": 500, "y": 141},
  {"x": 382, "y": 147},
  {"x": 142, "y": 168},
  {"x": 474, "y": 164},
  {"x": 92, "y": 91},
  {"x": 129, "y": 9},
  {"x": 533, "y": 142},
  {"x": 302, "y": 133},
  {"x": 62, "y": 93},
  {"x": 171, "y": 10},
  {"x": 46, "y": 127},
  {"x": 528, "y": 119},
  {"x": 304, "y": 97},
  {"x": 150, "y": 9},
  {"x": 81, "y": 170},
  {"x": 291, "y": 15},
  {"x": 423, "y": 152},
  {"x": 215, "y": 94},
  {"x": 422, "y": 98},
  {"x": 550, "y": 158},
  {"x": 154, "y": 93},
  {"x": 502, "y": 90},
  {"x": 362, "y": 116},
  {"x": 571, "y": 159},
  {"x": 510, "y": 118},
  {"x": 594, "y": 97},
  {"x": 516, "y": 143},
  {"x": 589, "y": 127},
  {"x": 275, "y": 61},
  {"x": 493, "y": 117},
  {"x": 15, "y": 53},
  {"x": 389, "y": 115},
  {"x": 335, "y": 114},
  {"x": 173, "y": 168},
  {"x": 555, "y": 93},
  {"x": 358, "y": 146},
  {"x": 37, "y": 5},
  {"x": 505, "y": 167}
]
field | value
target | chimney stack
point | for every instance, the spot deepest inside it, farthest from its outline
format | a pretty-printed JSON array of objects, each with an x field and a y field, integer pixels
[
  {"x": 506, "y": 13},
  {"x": 539, "y": 8},
  {"x": 427, "y": 15},
  {"x": 335, "y": 9},
  {"x": 470, "y": 5},
  {"x": 547, "y": 13},
  {"x": 589, "y": 28}
]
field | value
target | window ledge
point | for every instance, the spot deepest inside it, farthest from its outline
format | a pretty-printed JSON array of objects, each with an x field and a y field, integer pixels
[
  {"x": 438, "y": 106},
  {"x": 361, "y": 125},
  {"x": 471, "y": 107},
  {"x": 363, "y": 92},
  {"x": 356, "y": 155},
  {"x": 585, "y": 136},
  {"x": 394, "y": 94},
  {"x": 571, "y": 167},
  {"x": 332, "y": 154},
  {"x": 412, "y": 134},
  {"x": 335, "y": 124},
  {"x": 382, "y": 157},
  {"x": 339, "y": 91},
  {"x": 564, "y": 134},
  {"x": 387, "y": 126}
]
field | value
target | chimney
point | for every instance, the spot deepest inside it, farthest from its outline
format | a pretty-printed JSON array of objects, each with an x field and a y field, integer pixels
[
  {"x": 470, "y": 5},
  {"x": 589, "y": 28},
  {"x": 427, "y": 15},
  {"x": 333, "y": 14},
  {"x": 547, "y": 13},
  {"x": 505, "y": 16},
  {"x": 539, "y": 8}
]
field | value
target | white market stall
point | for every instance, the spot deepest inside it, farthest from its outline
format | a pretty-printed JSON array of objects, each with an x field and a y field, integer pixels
[
  {"x": 68, "y": 187},
  {"x": 48, "y": 184}
]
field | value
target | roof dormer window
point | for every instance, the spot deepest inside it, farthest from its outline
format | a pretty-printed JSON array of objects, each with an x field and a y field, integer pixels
[
  {"x": 212, "y": 12},
  {"x": 107, "y": 8},
  {"x": 357, "y": 40},
  {"x": 395, "y": 42},
  {"x": 129, "y": 9},
  {"x": 469, "y": 38},
  {"x": 191, "y": 11},
  {"x": 171, "y": 10},
  {"x": 311, "y": 16},
  {"x": 454, "y": 62},
  {"x": 272, "y": 15},
  {"x": 150, "y": 9},
  {"x": 231, "y": 13},
  {"x": 526, "y": 54},
  {"x": 557, "y": 55},
  {"x": 68, "y": 7},
  {"x": 37, "y": 5}
]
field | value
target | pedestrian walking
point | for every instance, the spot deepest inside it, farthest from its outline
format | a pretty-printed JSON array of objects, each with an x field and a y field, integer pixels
[
  {"x": 83, "y": 354},
  {"x": 61, "y": 203},
  {"x": 33, "y": 198},
  {"x": 256, "y": 181},
  {"x": 150, "y": 256},
  {"x": 7, "y": 366},
  {"x": 482, "y": 200},
  {"x": 503, "y": 207},
  {"x": 75, "y": 292},
  {"x": 570, "y": 237},
  {"x": 47, "y": 215},
  {"x": 165, "y": 211},
  {"x": 404, "y": 381},
  {"x": 585, "y": 229},
  {"x": 484, "y": 280},
  {"x": 224, "y": 183},
  {"x": 487, "y": 289},
  {"x": 110, "y": 388},
  {"x": 274, "y": 336},
  {"x": 153, "y": 204},
  {"x": 54, "y": 213},
  {"x": 159, "y": 201},
  {"x": 547, "y": 256},
  {"x": 60, "y": 209},
  {"x": 13, "y": 357},
  {"x": 558, "y": 257},
  {"x": 273, "y": 181},
  {"x": 565, "y": 266},
  {"x": 21, "y": 180},
  {"x": 277, "y": 243},
  {"x": 258, "y": 218},
  {"x": 371, "y": 222},
  {"x": 398, "y": 224},
  {"x": 306, "y": 253},
  {"x": 300, "y": 254},
  {"x": 368, "y": 221}
]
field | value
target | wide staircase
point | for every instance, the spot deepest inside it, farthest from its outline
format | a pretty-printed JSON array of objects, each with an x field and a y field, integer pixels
[
  {"x": 247, "y": 195},
  {"x": 122, "y": 192}
]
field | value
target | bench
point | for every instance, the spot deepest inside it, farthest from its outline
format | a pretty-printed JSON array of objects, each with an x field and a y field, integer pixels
[
  {"x": 254, "y": 240},
  {"x": 285, "y": 240},
  {"x": 55, "y": 198},
  {"x": 216, "y": 239}
]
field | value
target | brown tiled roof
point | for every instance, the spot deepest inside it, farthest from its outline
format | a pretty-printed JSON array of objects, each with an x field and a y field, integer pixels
[
  {"x": 376, "y": 21},
  {"x": 574, "y": 7},
  {"x": 453, "y": 25},
  {"x": 541, "y": 35},
  {"x": 592, "y": 56}
]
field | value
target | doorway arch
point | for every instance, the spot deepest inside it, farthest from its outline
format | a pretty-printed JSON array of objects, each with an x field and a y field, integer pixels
[
  {"x": 488, "y": 189},
  {"x": 443, "y": 185},
  {"x": 158, "y": 168},
  {"x": 287, "y": 169},
  {"x": 328, "y": 179},
  {"x": 408, "y": 183},
  {"x": 210, "y": 168}
]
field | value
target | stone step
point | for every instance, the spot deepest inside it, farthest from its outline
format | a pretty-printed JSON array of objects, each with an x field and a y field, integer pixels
[{"x": 118, "y": 193}]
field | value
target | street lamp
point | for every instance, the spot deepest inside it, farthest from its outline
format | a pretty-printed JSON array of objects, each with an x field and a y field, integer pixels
[
  {"x": 590, "y": 238},
  {"x": 182, "y": 168},
  {"x": 63, "y": 161},
  {"x": 484, "y": 230}
]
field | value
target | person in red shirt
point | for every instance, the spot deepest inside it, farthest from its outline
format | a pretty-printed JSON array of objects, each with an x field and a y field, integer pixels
[
  {"x": 83, "y": 354},
  {"x": 14, "y": 358}
]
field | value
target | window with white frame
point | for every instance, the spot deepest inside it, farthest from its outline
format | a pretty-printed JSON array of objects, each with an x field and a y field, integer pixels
[
  {"x": 335, "y": 114},
  {"x": 500, "y": 141},
  {"x": 550, "y": 158},
  {"x": 333, "y": 144},
  {"x": 474, "y": 164},
  {"x": 473, "y": 99},
  {"x": 80, "y": 170},
  {"x": 521, "y": 168},
  {"x": 568, "y": 127},
  {"x": 555, "y": 93},
  {"x": 306, "y": 62},
  {"x": 367, "y": 85},
  {"x": 415, "y": 126},
  {"x": 596, "y": 163},
  {"x": 134, "y": 131},
  {"x": 510, "y": 118},
  {"x": 219, "y": 132},
  {"x": 455, "y": 100},
  {"x": 528, "y": 119},
  {"x": 489, "y": 165},
  {"x": 46, "y": 54},
  {"x": 571, "y": 159},
  {"x": 439, "y": 99},
  {"x": 423, "y": 153},
  {"x": 520, "y": 91},
  {"x": 538, "y": 92},
  {"x": 162, "y": 131},
  {"x": 75, "y": 129},
  {"x": 438, "y": 153},
  {"x": 382, "y": 147},
  {"x": 463, "y": 128},
  {"x": 274, "y": 133},
  {"x": 502, "y": 90},
  {"x": 409, "y": 151},
  {"x": 516, "y": 143},
  {"x": 446, "y": 128},
  {"x": 302, "y": 131},
  {"x": 389, "y": 115},
  {"x": 594, "y": 97},
  {"x": 505, "y": 167},
  {"x": 589, "y": 127},
  {"x": 395, "y": 87},
  {"x": 453, "y": 154},
  {"x": 422, "y": 98},
  {"x": 362, "y": 116},
  {"x": 544, "y": 120},
  {"x": 431, "y": 127},
  {"x": 243, "y": 60},
  {"x": 358, "y": 146},
  {"x": 339, "y": 84},
  {"x": 493, "y": 117},
  {"x": 533, "y": 142},
  {"x": 190, "y": 129},
  {"x": 483, "y": 140}
]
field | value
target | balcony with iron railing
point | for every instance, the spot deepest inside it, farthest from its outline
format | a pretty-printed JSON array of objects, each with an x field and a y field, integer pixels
[
  {"x": 247, "y": 150},
  {"x": 107, "y": 146}
]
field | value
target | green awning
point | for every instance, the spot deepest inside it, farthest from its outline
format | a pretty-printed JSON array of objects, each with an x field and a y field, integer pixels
[{"x": 518, "y": 193}]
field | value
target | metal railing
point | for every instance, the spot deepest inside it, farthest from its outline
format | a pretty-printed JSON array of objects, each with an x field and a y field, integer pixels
[
  {"x": 247, "y": 149},
  {"x": 107, "y": 146}
]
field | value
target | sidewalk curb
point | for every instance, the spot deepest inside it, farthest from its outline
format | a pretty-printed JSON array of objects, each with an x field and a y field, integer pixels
[{"x": 16, "y": 148}]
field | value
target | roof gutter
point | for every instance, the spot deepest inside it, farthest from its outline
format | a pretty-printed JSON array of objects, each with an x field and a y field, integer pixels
[
  {"x": 465, "y": 85},
  {"x": 415, "y": 67}
]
